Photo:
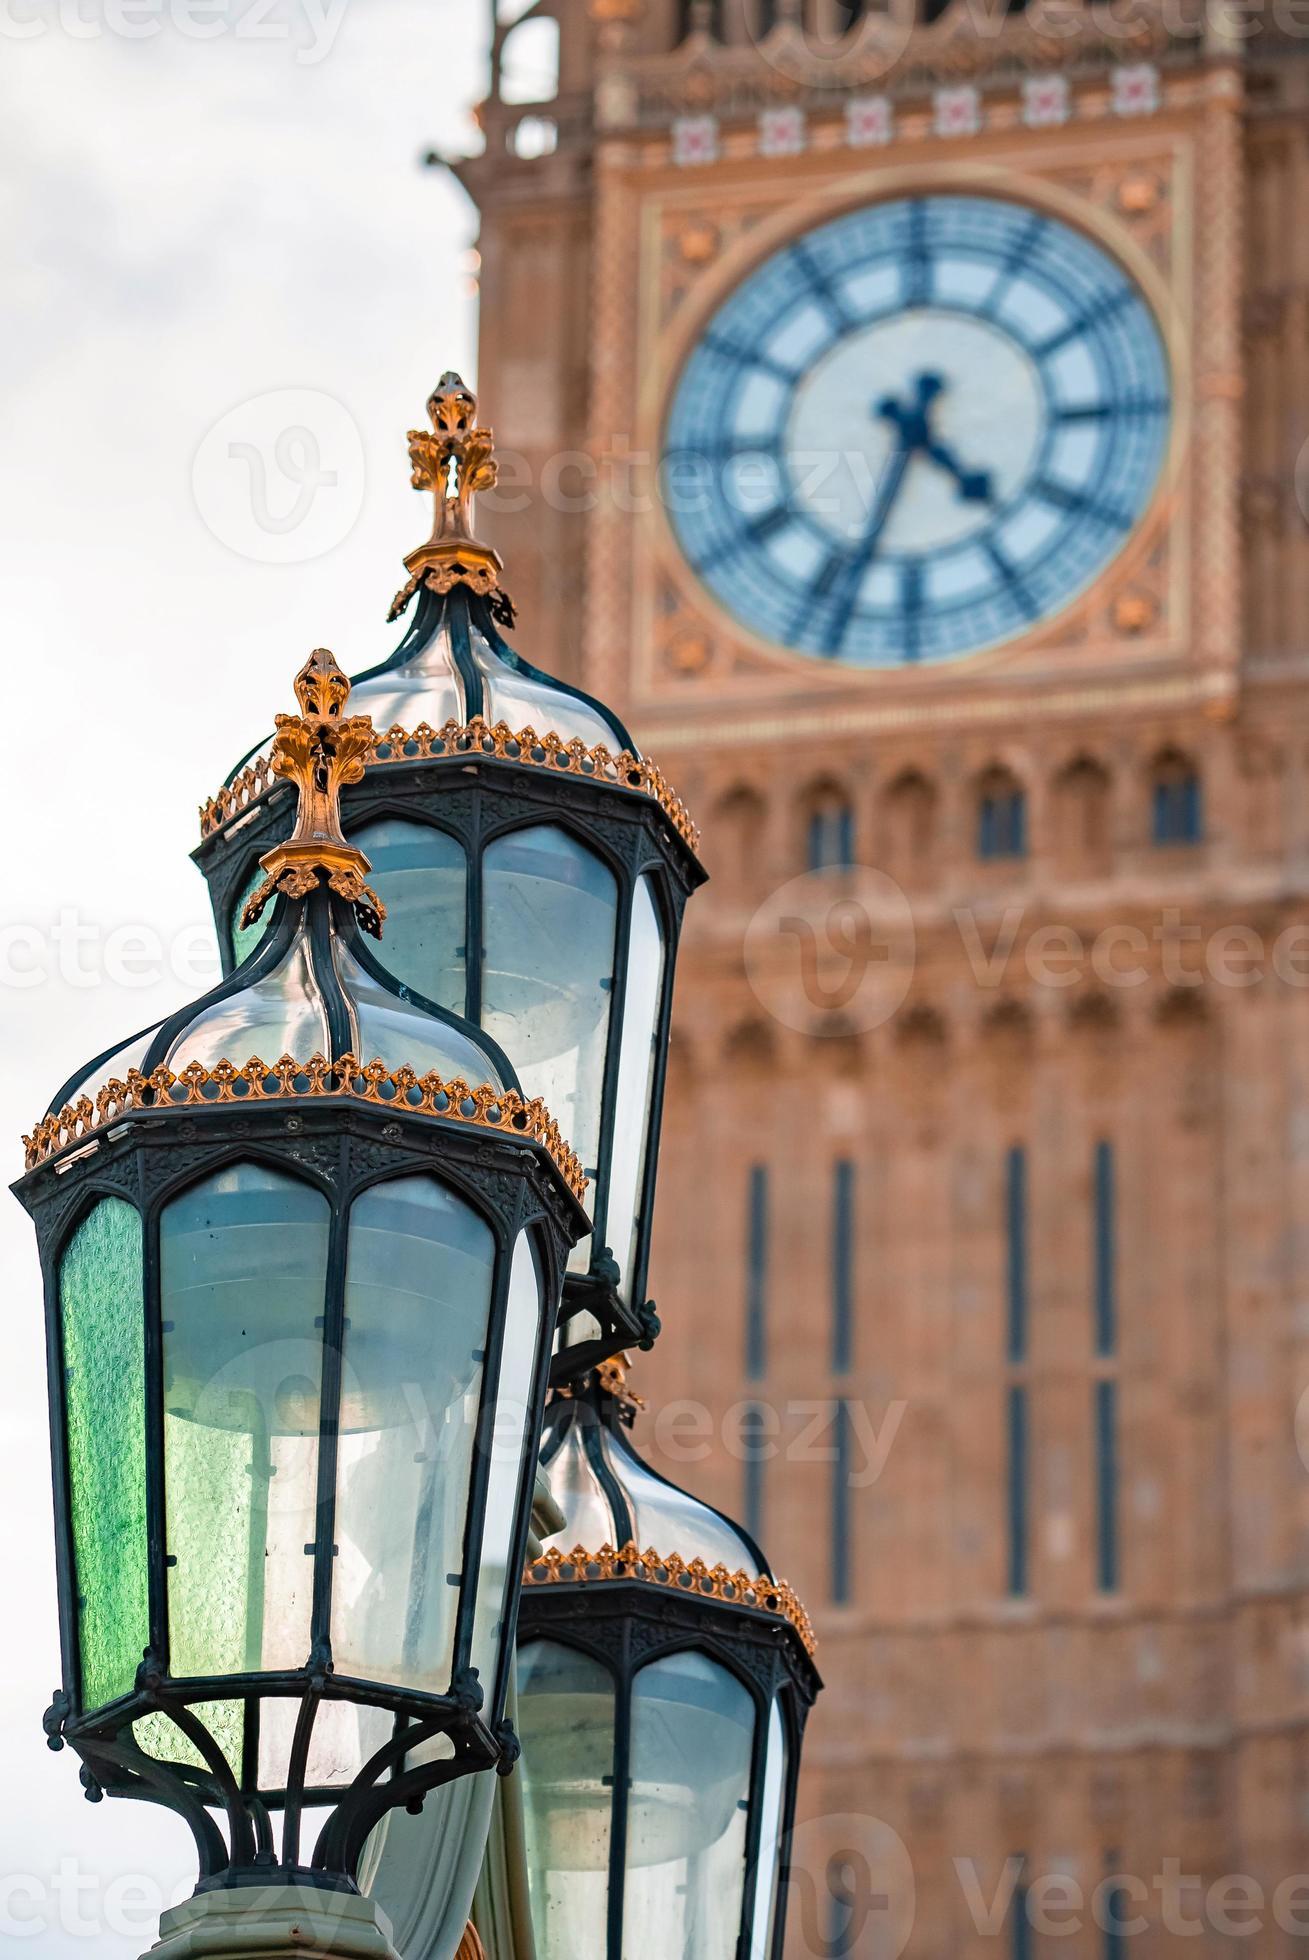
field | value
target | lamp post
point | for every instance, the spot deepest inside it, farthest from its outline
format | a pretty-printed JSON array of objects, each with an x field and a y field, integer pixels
[
  {"x": 665, "y": 1678},
  {"x": 299, "y": 1315},
  {"x": 534, "y": 864}
]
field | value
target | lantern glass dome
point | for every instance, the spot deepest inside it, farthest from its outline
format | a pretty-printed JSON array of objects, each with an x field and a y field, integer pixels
[
  {"x": 662, "y": 1698},
  {"x": 534, "y": 867}
]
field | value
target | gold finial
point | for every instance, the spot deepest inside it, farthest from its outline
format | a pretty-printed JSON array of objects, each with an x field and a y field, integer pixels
[
  {"x": 455, "y": 461},
  {"x": 612, "y": 1378},
  {"x": 320, "y": 750}
]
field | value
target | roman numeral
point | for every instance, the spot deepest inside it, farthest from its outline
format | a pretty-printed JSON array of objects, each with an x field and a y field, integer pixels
[
  {"x": 823, "y": 289},
  {"x": 750, "y": 357},
  {"x": 1063, "y": 498},
  {"x": 1104, "y": 309}
]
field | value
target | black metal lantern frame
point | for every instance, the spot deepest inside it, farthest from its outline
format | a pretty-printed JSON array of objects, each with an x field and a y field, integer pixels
[
  {"x": 318, "y": 1127},
  {"x": 477, "y": 786},
  {"x": 626, "y": 1624}
]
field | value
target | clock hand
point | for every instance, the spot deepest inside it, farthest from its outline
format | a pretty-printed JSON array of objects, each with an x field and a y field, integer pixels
[
  {"x": 974, "y": 485},
  {"x": 844, "y": 589}
]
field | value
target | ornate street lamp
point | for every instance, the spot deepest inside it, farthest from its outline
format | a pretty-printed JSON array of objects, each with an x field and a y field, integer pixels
[
  {"x": 299, "y": 1314},
  {"x": 534, "y": 865},
  {"x": 664, "y": 1682}
]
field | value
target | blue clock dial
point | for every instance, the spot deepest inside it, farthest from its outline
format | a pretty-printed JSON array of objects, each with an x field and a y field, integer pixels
[{"x": 917, "y": 431}]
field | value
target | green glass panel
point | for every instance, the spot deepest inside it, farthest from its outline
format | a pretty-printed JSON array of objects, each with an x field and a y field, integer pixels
[
  {"x": 243, "y": 1262},
  {"x": 246, "y": 938},
  {"x": 101, "y": 1302}
]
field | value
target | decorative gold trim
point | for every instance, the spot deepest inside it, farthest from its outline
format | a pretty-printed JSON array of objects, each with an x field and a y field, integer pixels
[
  {"x": 580, "y": 1567},
  {"x": 454, "y": 462},
  {"x": 499, "y": 743},
  {"x": 371, "y": 1082},
  {"x": 319, "y": 750}
]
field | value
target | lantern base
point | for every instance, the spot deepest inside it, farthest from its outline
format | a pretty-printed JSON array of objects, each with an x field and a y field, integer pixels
[{"x": 274, "y": 1922}]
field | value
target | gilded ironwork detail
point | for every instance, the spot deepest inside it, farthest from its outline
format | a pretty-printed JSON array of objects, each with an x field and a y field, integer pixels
[
  {"x": 319, "y": 750},
  {"x": 402, "y": 1089},
  {"x": 764, "y": 1595},
  {"x": 455, "y": 461},
  {"x": 498, "y": 743}
]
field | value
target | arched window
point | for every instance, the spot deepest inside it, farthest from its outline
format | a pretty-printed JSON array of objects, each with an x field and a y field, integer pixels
[
  {"x": 705, "y": 16},
  {"x": 1081, "y": 815},
  {"x": 529, "y": 61},
  {"x": 907, "y": 824},
  {"x": 829, "y": 832},
  {"x": 1001, "y": 816},
  {"x": 1176, "y": 800},
  {"x": 735, "y": 828}
]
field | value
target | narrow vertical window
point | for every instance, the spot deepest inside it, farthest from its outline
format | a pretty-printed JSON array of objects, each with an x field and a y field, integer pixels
[
  {"x": 756, "y": 1284},
  {"x": 1016, "y": 1251},
  {"x": 1002, "y": 821},
  {"x": 1103, "y": 1254},
  {"x": 842, "y": 1268},
  {"x": 841, "y": 1508},
  {"x": 1017, "y": 1467},
  {"x": 1016, "y": 1342},
  {"x": 1116, "y": 1910},
  {"x": 831, "y": 837},
  {"x": 753, "y": 1453},
  {"x": 1106, "y": 1485},
  {"x": 1020, "y": 1922}
]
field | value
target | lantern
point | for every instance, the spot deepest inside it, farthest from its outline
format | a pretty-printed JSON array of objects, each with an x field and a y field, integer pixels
[
  {"x": 303, "y": 1245},
  {"x": 664, "y": 1682},
  {"x": 534, "y": 865}
]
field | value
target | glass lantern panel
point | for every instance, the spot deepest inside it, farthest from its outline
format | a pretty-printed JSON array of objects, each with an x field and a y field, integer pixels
[
  {"x": 636, "y": 1072},
  {"x": 549, "y": 914},
  {"x": 282, "y": 1014},
  {"x": 420, "y": 876},
  {"x": 246, "y": 938},
  {"x": 417, "y": 1302},
  {"x": 566, "y": 1724},
  {"x": 687, "y": 1808},
  {"x": 102, "y": 1308},
  {"x": 511, "y": 1437},
  {"x": 770, "y": 1838},
  {"x": 243, "y": 1274}
]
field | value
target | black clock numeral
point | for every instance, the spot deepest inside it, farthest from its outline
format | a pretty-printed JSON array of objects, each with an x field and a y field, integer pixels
[
  {"x": 1094, "y": 316},
  {"x": 918, "y": 259},
  {"x": 1113, "y": 410},
  {"x": 1021, "y": 252},
  {"x": 751, "y": 357},
  {"x": 911, "y": 604},
  {"x": 1078, "y": 501},
  {"x": 1012, "y": 579},
  {"x": 823, "y": 289}
]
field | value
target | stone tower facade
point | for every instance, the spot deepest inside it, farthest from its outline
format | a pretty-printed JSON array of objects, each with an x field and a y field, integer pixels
[{"x": 984, "y": 1201}]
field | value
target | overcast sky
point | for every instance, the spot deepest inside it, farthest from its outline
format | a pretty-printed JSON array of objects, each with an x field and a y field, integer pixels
[{"x": 228, "y": 286}]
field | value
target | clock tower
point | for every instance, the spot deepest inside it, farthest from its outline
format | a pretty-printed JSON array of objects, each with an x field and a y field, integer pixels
[{"x": 912, "y": 405}]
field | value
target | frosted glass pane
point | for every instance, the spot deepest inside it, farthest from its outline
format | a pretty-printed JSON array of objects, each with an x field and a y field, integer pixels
[
  {"x": 418, "y": 1296},
  {"x": 512, "y": 1435},
  {"x": 158, "y": 1735},
  {"x": 688, "y": 1802},
  {"x": 770, "y": 1838},
  {"x": 636, "y": 1066},
  {"x": 548, "y": 935},
  {"x": 566, "y": 1725},
  {"x": 101, "y": 1304},
  {"x": 246, "y": 938},
  {"x": 419, "y": 874},
  {"x": 243, "y": 1266}
]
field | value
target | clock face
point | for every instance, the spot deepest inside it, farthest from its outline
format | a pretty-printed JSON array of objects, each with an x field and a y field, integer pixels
[{"x": 917, "y": 431}]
